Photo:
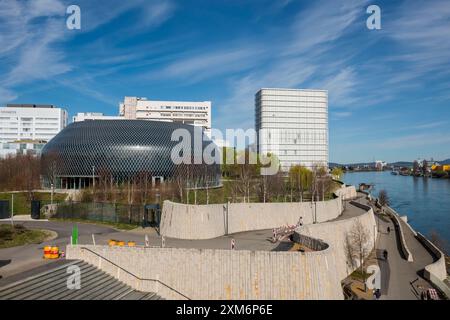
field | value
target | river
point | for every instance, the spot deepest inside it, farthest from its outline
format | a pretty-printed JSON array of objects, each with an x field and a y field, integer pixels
[{"x": 425, "y": 201}]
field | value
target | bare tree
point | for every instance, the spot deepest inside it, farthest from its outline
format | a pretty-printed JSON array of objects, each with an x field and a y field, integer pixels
[
  {"x": 263, "y": 188},
  {"x": 349, "y": 254},
  {"x": 49, "y": 167},
  {"x": 383, "y": 198},
  {"x": 30, "y": 172},
  {"x": 424, "y": 167},
  {"x": 358, "y": 241},
  {"x": 180, "y": 177},
  {"x": 438, "y": 241},
  {"x": 208, "y": 176},
  {"x": 246, "y": 171},
  {"x": 20, "y": 172}
]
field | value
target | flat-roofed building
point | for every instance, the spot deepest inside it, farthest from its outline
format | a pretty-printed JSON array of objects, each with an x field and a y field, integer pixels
[
  {"x": 83, "y": 116},
  {"x": 31, "y": 122},
  {"x": 197, "y": 113},
  {"x": 293, "y": 124},
  {"x": 22, "y": 147}
]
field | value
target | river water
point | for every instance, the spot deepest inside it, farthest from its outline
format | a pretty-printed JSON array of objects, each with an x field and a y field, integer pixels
[{"x": 425, "y": 201}]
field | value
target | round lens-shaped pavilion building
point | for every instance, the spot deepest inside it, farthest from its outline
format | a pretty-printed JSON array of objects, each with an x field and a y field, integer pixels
[{"x": 123, "y": 150}]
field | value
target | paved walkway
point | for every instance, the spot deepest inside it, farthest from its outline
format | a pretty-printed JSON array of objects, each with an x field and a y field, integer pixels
[{"x": 400, "y": 279}]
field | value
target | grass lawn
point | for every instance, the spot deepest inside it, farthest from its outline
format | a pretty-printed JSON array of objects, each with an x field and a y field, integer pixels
[
  {"x": 19, "y": 235},
  {"x": 358, "y": 275},
  {"x": 119, "y": 226},
  {"x": 23, "y": 206}
]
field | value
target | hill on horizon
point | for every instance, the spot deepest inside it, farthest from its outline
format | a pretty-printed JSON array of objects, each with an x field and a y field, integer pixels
[{"x": 397, "y": 163}]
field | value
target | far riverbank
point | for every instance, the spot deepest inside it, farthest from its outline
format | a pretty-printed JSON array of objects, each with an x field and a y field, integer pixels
[{"x": 425, "y": 201}]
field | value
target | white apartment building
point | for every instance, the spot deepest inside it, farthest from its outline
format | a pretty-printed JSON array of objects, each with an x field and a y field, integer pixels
[
  {"x": 20, "y": 122},
  {"x": 23, "y": 147},
  {"x": 293, "y": 124},
  {"x": 196, "y": 113},
  {"x": 83, "y": 116}
]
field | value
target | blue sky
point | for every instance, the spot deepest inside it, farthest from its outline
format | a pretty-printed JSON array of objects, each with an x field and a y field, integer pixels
[{"x": 389, "y": 89}]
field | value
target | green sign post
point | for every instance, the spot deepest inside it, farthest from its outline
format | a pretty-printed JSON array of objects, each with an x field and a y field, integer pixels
[{"x": 75, "y": 235}]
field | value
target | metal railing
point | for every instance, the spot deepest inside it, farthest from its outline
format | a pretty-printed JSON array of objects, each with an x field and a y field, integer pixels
[{"x": 133, "y": 275}]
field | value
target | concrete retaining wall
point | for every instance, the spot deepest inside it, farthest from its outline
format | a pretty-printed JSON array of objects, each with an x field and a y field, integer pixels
[
  {"x": 397, "y": 223},
  {"x": 233, "y": 274},
  {"x": 334, "y": 234},
  {"x": 210, "y": 221},
  {"x": 311, "y": 243},
  {"x": 346, "y": 193},
  {"x": 220, "y": 274},
  {"x": 436, "y": 272}
]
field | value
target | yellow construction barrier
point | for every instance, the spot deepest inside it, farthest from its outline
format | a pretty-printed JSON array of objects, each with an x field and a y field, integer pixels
[
  {"x": 53, "y": 253},
  {"x": 47, "y": 252},
  {"x": 112, "y": 243},
  {"x": 121, "y": 243},
  {"x": 131, "y": 243}
]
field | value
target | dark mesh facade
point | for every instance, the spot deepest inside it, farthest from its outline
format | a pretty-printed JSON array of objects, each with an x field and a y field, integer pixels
[{"x": 121, "y": 148}]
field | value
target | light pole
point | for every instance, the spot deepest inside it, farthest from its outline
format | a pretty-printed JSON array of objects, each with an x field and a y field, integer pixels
[
  {"x": 12, "y": 209},
  {"x": 51, "y": 196},
  {"x": 93, "y": 176}
]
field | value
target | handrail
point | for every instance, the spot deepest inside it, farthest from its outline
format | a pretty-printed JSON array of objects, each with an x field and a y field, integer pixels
[
  {"x": 132, "y": 274},
  {"x": 398, "y": 224}
]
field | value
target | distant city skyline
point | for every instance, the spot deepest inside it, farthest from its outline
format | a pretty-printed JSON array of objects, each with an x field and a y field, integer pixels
[{"x": 388, "y": 89}]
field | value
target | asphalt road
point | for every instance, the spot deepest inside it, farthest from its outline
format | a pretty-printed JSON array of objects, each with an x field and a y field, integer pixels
[{"x": 19, "y": 259}]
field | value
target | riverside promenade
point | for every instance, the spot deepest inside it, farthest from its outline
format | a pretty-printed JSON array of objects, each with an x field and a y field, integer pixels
[{"x": 401, "y": 279}]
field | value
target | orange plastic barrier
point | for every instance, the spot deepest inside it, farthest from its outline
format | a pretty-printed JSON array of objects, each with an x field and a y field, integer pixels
[{"x": 47, "y": 252}]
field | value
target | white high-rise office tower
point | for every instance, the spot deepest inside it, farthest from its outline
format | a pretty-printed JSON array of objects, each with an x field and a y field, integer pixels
[{"x": 293, "y": 124}]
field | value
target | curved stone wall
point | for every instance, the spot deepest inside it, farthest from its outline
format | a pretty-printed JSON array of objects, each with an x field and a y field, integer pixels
[
  {"x": 346, "y": 192},
  {"x": 436, "y": 272},
  {"x": 334, "y": 234},
  {"x": 210, "y": 221},
  {"x": 233, "y": 274}
]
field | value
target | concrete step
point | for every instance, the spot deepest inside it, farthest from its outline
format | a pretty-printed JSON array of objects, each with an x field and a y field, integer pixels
[
  {"x": 52, "y": 285},
  {"x": 87, "y": 281},
  {"x": 42, "y": 282},
  {"x": 34, "y": 278}
]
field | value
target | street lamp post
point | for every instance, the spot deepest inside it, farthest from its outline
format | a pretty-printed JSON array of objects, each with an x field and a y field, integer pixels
[
  {"x": 51, "y": 195},
  {"x": 93, "y": 176},
  {"x": 12, "y": 209}
]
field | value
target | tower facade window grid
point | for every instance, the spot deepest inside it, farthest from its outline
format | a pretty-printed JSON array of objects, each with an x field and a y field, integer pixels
[{"x": 293, "y": 124}]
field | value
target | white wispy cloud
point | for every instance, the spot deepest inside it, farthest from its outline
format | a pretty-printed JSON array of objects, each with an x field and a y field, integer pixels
[
  {"x": 197, "y": 66},
  {"x": 323, "y": 23},
  {"x": 32, "y": 34},
  {"x": 412, "y": 141},
  {"x": 31, "y": 54},
  {"x": 304, "y": 56}
]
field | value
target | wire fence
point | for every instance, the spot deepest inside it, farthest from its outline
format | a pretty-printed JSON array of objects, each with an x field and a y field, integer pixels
[{"x": 100, "y": 211}]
